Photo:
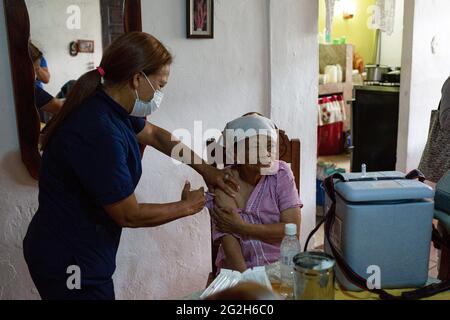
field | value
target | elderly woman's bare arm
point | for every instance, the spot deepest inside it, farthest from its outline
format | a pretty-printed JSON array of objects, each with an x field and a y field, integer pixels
[
  {"x": 233, "y": 253},
  {"x": 228, "y": 221},
  {"x": 272, "y": 233},
  {"x": 444, "y": 113},
  {"x": 231, "y": 245},
  {"x": 222, "y": 200}
]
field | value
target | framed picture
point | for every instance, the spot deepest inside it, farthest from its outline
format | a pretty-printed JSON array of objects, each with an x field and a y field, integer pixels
[
  {"x": 86, "y": 46},
  {"x": 81, "y": 46},
  {"x": 200, "y": 19}
]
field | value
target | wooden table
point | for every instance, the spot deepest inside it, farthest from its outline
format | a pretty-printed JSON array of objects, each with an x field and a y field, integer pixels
[{"x": 273, "y": 274}]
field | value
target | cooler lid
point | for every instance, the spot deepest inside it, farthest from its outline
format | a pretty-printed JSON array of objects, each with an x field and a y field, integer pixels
[
  {"x": 382, "y": 186},
  {"x": 378, "y": 175}
]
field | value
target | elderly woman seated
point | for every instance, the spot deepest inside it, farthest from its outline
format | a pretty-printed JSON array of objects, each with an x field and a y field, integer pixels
[{"x": 250, "y": 227}]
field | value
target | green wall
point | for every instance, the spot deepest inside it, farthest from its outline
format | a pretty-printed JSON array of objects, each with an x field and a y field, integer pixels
[{"x": 355, "y": 30}]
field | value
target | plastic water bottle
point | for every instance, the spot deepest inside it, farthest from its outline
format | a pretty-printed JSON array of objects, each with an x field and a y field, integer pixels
[{"x": 290, "y": 247}]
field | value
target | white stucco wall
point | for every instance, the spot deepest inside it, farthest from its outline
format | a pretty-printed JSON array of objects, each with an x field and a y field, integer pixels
[
  {"x": 423, "y": 75},
  {"x": 263, "y": 58},
  {"x": 294, "y": 90},
  {"x": 50, "y": 34}
]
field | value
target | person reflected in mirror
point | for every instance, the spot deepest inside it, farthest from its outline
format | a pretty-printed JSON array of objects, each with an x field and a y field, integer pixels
[
  {"x": 40, "y": 66},
  {"x": 44, "y": 100},
  {"x": 65, "y": 89}
]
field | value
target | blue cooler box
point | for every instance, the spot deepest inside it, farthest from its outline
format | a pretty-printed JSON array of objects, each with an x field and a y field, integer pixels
[{"x": 385, "y": 223}]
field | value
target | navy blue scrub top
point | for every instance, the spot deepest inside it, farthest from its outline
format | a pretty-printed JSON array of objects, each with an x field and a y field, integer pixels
[
  {"x": 42, "y": 97},
  {"x": 92, "y": 160}
]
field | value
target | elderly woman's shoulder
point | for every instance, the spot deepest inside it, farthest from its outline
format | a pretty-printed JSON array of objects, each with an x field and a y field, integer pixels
[
  {"x": 284, "y": 166},
  {"x": 284, "y": 169},
  {"x": 232, "y": 171}
]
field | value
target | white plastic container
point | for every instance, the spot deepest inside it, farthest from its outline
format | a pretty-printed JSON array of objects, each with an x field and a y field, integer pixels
[
  {"x": 332, "y": 73},
  {"x": 323, "y": 79},
  {"x": 340, "y": 75}
]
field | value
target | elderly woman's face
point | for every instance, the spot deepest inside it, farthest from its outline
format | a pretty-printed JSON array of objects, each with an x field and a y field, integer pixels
[{"x": 256, "y": 152}]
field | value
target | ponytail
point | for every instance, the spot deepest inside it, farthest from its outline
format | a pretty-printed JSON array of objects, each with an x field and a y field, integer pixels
[{"x": 85, "y": 87}]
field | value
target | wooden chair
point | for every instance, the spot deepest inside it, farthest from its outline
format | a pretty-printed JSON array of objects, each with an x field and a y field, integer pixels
[{"x": 289, "y": 152}]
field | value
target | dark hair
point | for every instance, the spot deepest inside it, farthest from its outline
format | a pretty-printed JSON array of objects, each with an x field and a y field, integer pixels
[
  {"x": 128, "y": 55},
  {"x": 35, "y": 53}
]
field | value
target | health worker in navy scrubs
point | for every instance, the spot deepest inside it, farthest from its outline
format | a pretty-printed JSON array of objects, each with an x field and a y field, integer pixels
[
  {"x": 91, "y": 165},
  {"x": 46, "y": 102}
]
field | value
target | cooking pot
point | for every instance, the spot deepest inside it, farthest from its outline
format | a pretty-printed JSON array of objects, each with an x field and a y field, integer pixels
[
  {"x": 392, "y": 77},
  {"x": 375, "y": 72}
]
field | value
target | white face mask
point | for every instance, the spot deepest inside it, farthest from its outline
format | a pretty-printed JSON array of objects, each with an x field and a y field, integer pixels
[{"x": 143, "y": 108}]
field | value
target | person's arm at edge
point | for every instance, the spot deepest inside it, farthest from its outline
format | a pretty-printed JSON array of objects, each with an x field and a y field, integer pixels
[
  {"x": 444, "y": 113},
  {"x": 233, "y": 253},
  {"x": 129, "y": 214}
]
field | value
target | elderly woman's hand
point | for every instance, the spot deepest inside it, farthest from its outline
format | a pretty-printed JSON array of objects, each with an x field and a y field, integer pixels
[{"x": 228, "y": 220}]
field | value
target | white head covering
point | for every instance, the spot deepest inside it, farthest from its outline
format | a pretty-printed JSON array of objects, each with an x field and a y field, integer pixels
[
  {"x": 247, "y": 127},
  {"x": 250, "y": 126}
]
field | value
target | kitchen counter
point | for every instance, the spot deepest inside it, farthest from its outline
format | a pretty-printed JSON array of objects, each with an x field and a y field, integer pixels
[{"x": 378, "y": 88}]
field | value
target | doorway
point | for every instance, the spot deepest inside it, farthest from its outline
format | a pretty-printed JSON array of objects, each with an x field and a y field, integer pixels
[
  {"x": 350, "y": 98},
  {"x": 112, "y": 20}
]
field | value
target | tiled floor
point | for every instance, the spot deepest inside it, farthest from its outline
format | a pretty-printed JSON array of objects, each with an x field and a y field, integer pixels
[{"x": 433, "y": 265}]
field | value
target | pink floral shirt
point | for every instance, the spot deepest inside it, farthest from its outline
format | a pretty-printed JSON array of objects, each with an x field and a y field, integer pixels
[{"x": 271, "y": 196}]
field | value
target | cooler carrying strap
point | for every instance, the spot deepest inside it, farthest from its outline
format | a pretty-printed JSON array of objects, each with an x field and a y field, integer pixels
[{"x": 348, "y": 272}]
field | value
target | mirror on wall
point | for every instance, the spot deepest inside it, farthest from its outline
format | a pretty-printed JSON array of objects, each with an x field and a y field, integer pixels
[
  {"x": 67, "y": 39},
  {"x": 51, "y": 44}
]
